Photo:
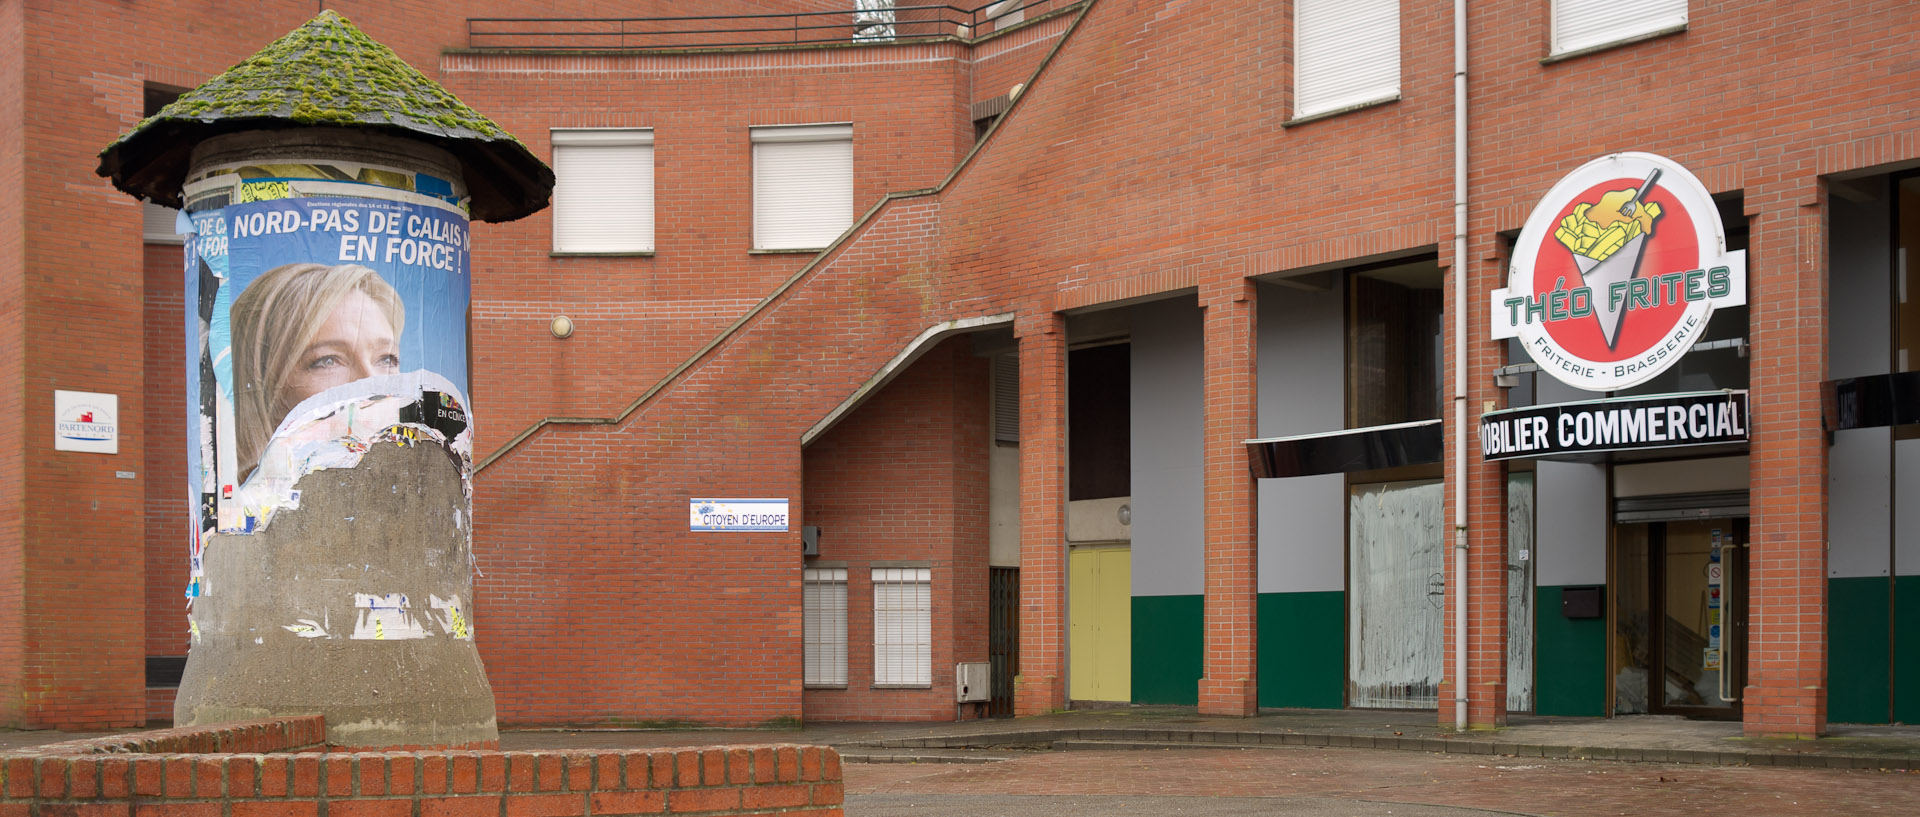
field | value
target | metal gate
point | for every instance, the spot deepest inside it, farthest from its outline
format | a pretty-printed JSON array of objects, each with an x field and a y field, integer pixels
[{"x": 1003, "y": 637}]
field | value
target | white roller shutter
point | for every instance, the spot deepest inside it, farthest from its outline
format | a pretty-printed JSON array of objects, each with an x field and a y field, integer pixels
[
  {"x": 157, "y": 222},
  {"x": 802, "y": 186},
  {"x": 902, "y": 626},
  {"x": 824, "y": 615},
  {"x": 1346, "y": 52},
  {"x": 603, "y": 190},
  {"x": 1579, "y": 24}
]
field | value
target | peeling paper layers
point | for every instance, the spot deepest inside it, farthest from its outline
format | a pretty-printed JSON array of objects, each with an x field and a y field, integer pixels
[
  {"x": 335, "y": 429},
  {"x": 389, "y": 617}
]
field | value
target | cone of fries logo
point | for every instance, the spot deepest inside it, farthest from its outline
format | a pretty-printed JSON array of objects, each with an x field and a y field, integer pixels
[{"x": 1617, "y": 272}]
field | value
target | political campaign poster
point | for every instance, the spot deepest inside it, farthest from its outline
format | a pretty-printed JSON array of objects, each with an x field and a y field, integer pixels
[{"x": 327, "y": 312}]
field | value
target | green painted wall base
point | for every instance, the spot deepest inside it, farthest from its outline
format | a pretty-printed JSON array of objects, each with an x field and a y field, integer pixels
[
  {"x": 1859, "y": 645},
  {"x": 1906, "y": 649},
  {"x": 1167, "y": 642},
  {"x": 1303, "y": 649},
  {"x": 1570, "y": 659}
]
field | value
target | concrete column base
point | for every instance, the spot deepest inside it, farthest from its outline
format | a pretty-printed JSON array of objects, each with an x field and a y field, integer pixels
[
  {"x": 1233, "y": 697},
  {"x": 282, "y": 631}
]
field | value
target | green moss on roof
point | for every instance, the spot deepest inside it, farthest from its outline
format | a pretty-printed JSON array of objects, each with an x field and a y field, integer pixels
[{"x": 328, "y": 73}]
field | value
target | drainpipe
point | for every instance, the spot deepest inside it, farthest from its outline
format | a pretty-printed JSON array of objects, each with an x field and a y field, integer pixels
[{"x": 1460, "y": 364}]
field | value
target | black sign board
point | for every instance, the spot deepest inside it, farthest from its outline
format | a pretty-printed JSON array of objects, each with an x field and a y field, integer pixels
[{"x": 1618, "y": 424}]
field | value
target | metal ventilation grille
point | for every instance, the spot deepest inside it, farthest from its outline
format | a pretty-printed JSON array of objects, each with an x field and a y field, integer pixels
[
  {"x": 1006, "y": 399},
  {"x": 1680, "y": 507}
]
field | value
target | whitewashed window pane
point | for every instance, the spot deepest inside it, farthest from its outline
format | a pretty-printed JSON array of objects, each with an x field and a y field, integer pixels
[
  {"x": 903, "y": 626},
  {"x": 802, "y": 186},
  {"x": 1395, "y": 593},
  {"x": 1346, "y": 52},
  {"x": 824, "y": 623},
  {"x": 1579, "y": 24},
  {"x": 603, "y": 190},
  {"x": 1520, "y": 592}
]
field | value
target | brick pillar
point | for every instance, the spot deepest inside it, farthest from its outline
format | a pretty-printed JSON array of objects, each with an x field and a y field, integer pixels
[
  {"x": 1041, "y": 686},
  {"x": 1228, "y": 682},
  {"x": 1486, "y": 590},
  {"x": 1787, "y": 560}
]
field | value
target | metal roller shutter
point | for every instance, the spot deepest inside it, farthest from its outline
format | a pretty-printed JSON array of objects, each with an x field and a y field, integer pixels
[
  {"x": 1346, "y": 52},
  {"x": 802, "y": 186},
  {"x": 603, "y": 191}
]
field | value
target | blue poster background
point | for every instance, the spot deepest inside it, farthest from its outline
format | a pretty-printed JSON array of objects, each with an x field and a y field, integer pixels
[{"x": 422, "y": 251}]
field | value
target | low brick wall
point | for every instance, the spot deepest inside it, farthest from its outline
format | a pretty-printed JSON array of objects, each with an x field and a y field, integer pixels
[{"x": 281, "y": 768}]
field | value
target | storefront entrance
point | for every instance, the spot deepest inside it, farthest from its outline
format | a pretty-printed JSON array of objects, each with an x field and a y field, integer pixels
[{"x": 1680, "y": 617}]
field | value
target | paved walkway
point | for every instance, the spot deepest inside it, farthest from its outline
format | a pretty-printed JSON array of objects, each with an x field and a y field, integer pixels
[
  {"x": 1290, "y": 780},
  {"x": 1645, "y": 738}
]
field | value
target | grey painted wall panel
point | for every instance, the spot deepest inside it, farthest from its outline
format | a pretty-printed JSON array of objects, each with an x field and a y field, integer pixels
[
  {"x": 1571, "y": 513},
  {"x": 1165, "y": 399},
  {"x": 1303, "y": 534},
  {"x": 1859, "y": 471},
  {"x": 1302, "y": 388},
  {"x": 1302, "y": 367},
  {"x": 1548, "y": 390},
  {"x": 1858, "y": 284},
  {"x": 1906, "y": 523}
]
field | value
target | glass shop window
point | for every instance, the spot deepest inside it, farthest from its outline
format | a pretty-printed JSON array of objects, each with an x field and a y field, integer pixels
[{"x": 1394, "y": 350}]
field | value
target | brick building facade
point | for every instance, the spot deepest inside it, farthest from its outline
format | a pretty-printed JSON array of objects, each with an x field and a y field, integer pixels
[{"x": 1176, "y": 219}]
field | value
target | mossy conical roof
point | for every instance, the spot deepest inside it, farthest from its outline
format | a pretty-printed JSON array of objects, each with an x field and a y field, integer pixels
[{"x": 328, "y": 73}]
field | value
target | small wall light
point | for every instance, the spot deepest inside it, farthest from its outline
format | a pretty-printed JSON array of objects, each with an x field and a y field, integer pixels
[{"x": 561, "y": 327}]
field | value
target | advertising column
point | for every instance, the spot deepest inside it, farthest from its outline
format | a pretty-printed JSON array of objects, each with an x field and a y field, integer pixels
[{"x": 327, "y": 290}]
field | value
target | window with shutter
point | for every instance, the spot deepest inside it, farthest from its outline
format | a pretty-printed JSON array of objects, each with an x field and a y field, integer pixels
[
  {"x": 802, "y": 186},
  {"x": 1346, "y": 53},
  {"x": 1583, "y": 24},
  {"x": 603, "y": 191},
  {"x": 902, "y": 626},
  {"x": 157, "y": 222},
  {"x": 824, "y": 622},
  {"x": 1005, "y": 13}
]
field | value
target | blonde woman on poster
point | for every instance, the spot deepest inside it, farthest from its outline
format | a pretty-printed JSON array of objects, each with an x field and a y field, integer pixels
[{"x": 300, "y": 329}]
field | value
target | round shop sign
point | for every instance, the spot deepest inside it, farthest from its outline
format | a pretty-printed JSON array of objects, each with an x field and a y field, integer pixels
[{"x": 1617, "y": 271}]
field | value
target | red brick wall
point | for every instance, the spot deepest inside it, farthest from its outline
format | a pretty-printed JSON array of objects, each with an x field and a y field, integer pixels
[
  {"x": 1739, "y": 124},
  {"x": 244, "y": 769},
  {"x": 1040, "y": 685},
  {"x": 903, "y": 477},
  {"x": 1229, "y": 684},
  {"x": 641, "y": 617},
  {"x": 1001, "y": 62},
  {"x": 1149, "y": 157},
  {"x": 13, "y": 359},
  {"x": 1129, "y": 171},
  {"x": 81, "y": 541},
  {"x": 650, "y": 313}
]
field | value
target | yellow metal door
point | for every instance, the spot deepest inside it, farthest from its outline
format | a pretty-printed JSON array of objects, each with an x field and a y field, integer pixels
[{"x": 1100, "y": 621}]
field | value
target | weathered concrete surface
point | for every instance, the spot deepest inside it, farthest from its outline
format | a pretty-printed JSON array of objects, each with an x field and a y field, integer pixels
[{"x": 393, "y": 525}]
